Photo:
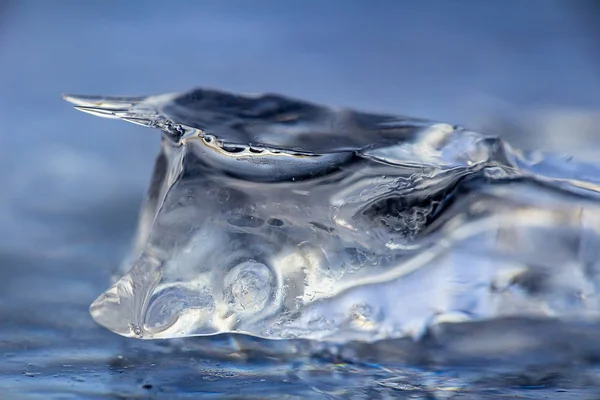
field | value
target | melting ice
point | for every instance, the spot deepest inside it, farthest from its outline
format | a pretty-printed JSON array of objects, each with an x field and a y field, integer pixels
[{"x": 279, "y": 218}]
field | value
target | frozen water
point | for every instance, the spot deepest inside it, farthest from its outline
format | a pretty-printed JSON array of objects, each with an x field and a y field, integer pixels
[{"x": 279, "y": 218}]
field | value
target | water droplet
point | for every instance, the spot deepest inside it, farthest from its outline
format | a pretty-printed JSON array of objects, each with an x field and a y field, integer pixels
[{"x": 137, "y": 330}]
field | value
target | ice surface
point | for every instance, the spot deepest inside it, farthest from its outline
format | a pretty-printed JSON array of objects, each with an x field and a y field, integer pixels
[{"x": 279, "y": 218}]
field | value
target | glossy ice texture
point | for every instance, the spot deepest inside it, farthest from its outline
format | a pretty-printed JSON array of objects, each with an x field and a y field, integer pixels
[{"x": 280, "y": 218}]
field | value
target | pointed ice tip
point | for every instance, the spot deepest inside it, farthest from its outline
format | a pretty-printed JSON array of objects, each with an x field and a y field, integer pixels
[
  {"x": 113, "y": 107},
  {"x": 106, "y": 102},
  {"x": 101, "y": 112}
]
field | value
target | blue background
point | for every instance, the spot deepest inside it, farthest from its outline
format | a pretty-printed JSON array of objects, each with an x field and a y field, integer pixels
[{"x": 72, "y": 184}]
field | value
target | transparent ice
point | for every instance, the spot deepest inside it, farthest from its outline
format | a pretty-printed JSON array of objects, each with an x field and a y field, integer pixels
[{"x": 279, "y": 218}]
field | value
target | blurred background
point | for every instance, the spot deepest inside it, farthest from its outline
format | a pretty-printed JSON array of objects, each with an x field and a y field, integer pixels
[{"x": 72, "y": 184}]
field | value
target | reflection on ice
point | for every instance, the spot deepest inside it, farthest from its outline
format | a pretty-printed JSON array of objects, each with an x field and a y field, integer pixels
[{"x": 283, "y": 219}]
